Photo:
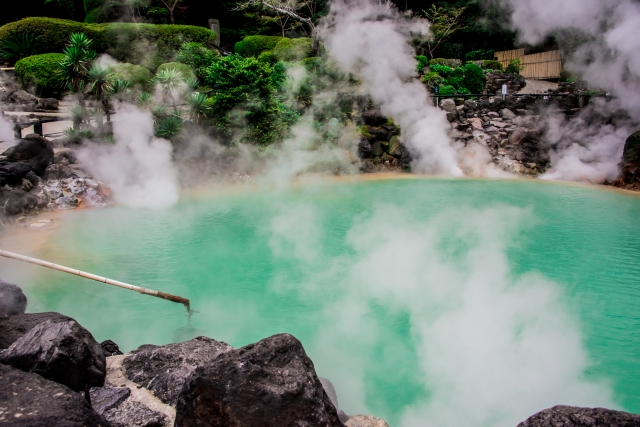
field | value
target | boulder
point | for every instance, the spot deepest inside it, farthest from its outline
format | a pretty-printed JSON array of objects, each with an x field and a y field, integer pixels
[
  {"x": 12, "y": 300},
  {"x": 269, "y": 383},
  {"x": 19, "y": 201},
  {"x": 22, "y": 97},
  {"x": 106, "y": 398},
  {"x": 365, "y": 421},
  {"x": 572, "y": 416},
  {"x": 448, "y": 105},
  {"x": 470, "y": 104},
  {"x": 164, "y": 369},
  {"x": 364, "y": 149},
  {"x": 12, "y": 173},
  {"x": 373, "y": 118},
  {"x": 131, "y": 413},
  {"x": 33, "y": 150},
  {"x": 28, "y": 400},
  {"x": 64, "y": 352},
  {"x": 507, "y": 114},
  {"x": 12, "y": 328},
  {"x": 476, "y": 123},
  {"x": 452, "y": 117},
  {"x": 110, "y": 348},
  {"x": 47, "y": 104},
  {"x": 394, "y": 146},
  {"x": 376, "y": 149}
]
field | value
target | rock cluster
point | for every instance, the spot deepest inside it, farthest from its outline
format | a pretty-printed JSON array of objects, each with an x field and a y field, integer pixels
[
  {"x": 34, "y": 176},
  {"x": 510, "y": 130},
  {"x": 571, "y": 416},
  {"x": 380, "y": 144},
  {"x": 15, "y": 99},
  {"x": 494, "y": 81}
]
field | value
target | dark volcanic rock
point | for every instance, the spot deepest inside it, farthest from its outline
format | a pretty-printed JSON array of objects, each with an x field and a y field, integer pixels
[
  {"x": 165, "y": 369},
  {"x": 12, "y": 328},
  {"x": 31, "y": 401},
  {"x": 11, "y": 173},
  {"x": 106, "y": 398},
  {"x": 34, "y": 150},
  {"x": 269, "y": 383},
  {"x": 364, "y": 149},
  {"x": 57, "y": 171},
  {"x": 110, "y": 348},
  {"x": 19, "y": 201},
  {"x": 374, "y": 118},
  {"x": 571, "y": 416},
  {"x": 12, "y": 300},
  {"x": 64, "y": 352},
  {"x": 630, "y": 164}
]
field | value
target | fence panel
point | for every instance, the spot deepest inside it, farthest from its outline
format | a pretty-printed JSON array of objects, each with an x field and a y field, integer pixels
[{"x": 545, "y": 65}]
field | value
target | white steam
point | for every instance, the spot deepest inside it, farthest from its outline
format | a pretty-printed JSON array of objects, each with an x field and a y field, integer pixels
[
  {"x": 607, "y": 58},
  {"x": 370, "y": 40},
  {"x": 6, "y": 130},
  {"x": 493, "y": 347},
  {"x": 138, "y": 167}
]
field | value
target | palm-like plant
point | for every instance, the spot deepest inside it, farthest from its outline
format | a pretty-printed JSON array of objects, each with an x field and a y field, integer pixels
[
  {"x": 169, "y": 128},
  {"x": 169, "y": 80},
  {"x": 192, "y": 84},
  {"x": 145, "y": 99},
  {"x": 120, "y": 89},
  {"x": 18, "y": 46},
  {"x": 100, "y": 81},
  {"x": 77, "y": 63},
  {"x": 199, "y": 106}
]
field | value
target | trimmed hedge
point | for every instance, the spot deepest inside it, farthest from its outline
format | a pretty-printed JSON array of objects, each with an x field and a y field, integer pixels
[
  {"x": 41, "y": 71},
  {"x": 255, "y": 45},
  {"x": 126, "y": 42},
  {"x": 293, "y": 50},
  {"x": 492, "y": 65},
  {"x": 135, "y": 74},
  {"x": 187, "y": 71}
]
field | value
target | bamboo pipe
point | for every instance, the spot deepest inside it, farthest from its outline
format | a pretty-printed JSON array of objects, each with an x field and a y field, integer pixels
[{"x": 86, "y": 275}]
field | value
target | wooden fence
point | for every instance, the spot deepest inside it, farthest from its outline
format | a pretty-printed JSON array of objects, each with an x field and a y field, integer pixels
[{"x": 545, "y": 65}]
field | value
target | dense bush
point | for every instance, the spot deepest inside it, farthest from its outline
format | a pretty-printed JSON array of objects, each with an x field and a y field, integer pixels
[
  {"x": 473, "y": 78},
  {"x": 293, "y": 50},
  {"x": 432, "y": 80},
  {"x": 492, "y": 65},
  {"x": 135, "y": 74},
  {"x": 245, "y": 98},
  {"x": 184, "y": 69},
  {"x": 18, "y": 46},
  {"x": 41, "y": 72},
  {"x": 423, "y": 62},
  {"x": 124, "y": 41},
  {"x": 197, "y": 56},
  {"x": 514, "y": 66},
  {"x": 447, "y": 90},
  {"x": 255, "y": 45}
]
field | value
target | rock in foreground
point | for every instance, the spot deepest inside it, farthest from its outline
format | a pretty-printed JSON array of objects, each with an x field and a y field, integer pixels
[
  {"x": 572, "y": 416},
  {"x": 64, "y": 352},
  {"x": 270, "y": 383},
  {"x": 164, "y": 369},
  {"x": 12, "y": 300},
  {"x": 31, "y": 401},
  {"x": 365, "y": 421},
  {"x": 12, "y": 328}
]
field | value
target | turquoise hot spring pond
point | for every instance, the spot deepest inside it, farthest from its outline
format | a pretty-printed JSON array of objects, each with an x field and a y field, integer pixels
[{"x": 420, "y": 299}]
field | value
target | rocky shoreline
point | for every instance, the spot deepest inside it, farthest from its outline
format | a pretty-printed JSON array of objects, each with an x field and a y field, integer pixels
[{"x": 54, "y": 373}]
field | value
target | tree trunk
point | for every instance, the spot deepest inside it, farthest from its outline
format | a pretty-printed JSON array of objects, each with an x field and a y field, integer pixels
[{"x": 171, "y": 20}]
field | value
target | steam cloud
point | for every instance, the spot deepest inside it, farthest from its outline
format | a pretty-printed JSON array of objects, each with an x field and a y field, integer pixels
[
  {"x": 589, "y": 147},
  {"x": 370, "y": 40},
  {"x": 493, "y": 347},
  {"x": 6, "y": 130},
  {"x": 138, "y": 167}
]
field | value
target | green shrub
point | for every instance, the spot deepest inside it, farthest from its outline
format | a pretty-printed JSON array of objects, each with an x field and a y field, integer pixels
[
  {"x": 135, "y": 74},
  {"x": 197, "y": 56},
  {"x": 423, "y": 62},
  {"x": 438, "y": 61},
  {"x": 268, "y": 57},
  {"x": 432, "y": 79},
  {"x": 447, "y": 90},
  {"x": 492, "y": 65},
  {"x": 442, "y": 70},
  {"x": 473, "y": 78},
  {"x": 514, "y": 66},
  {"x": 185, "y": 70},
  {"x": 41, "y": 72},
  {"x": 126, "y": 42},
  {"x": 255, "y": 45},
  {"x": 293, "y": 50}
]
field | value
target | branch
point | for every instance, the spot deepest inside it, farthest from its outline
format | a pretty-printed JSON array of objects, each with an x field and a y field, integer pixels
[{"x": 279, "y": 10}]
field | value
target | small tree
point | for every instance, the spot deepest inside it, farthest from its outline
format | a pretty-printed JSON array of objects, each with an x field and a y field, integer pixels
[
  {"x": 285, "y": 10},
  {"x": 76, "y": 64},
  {"x": 100, "y": 80},
  {"x": 444, "y": 22},
  {"x": 171, "y": 7}
]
